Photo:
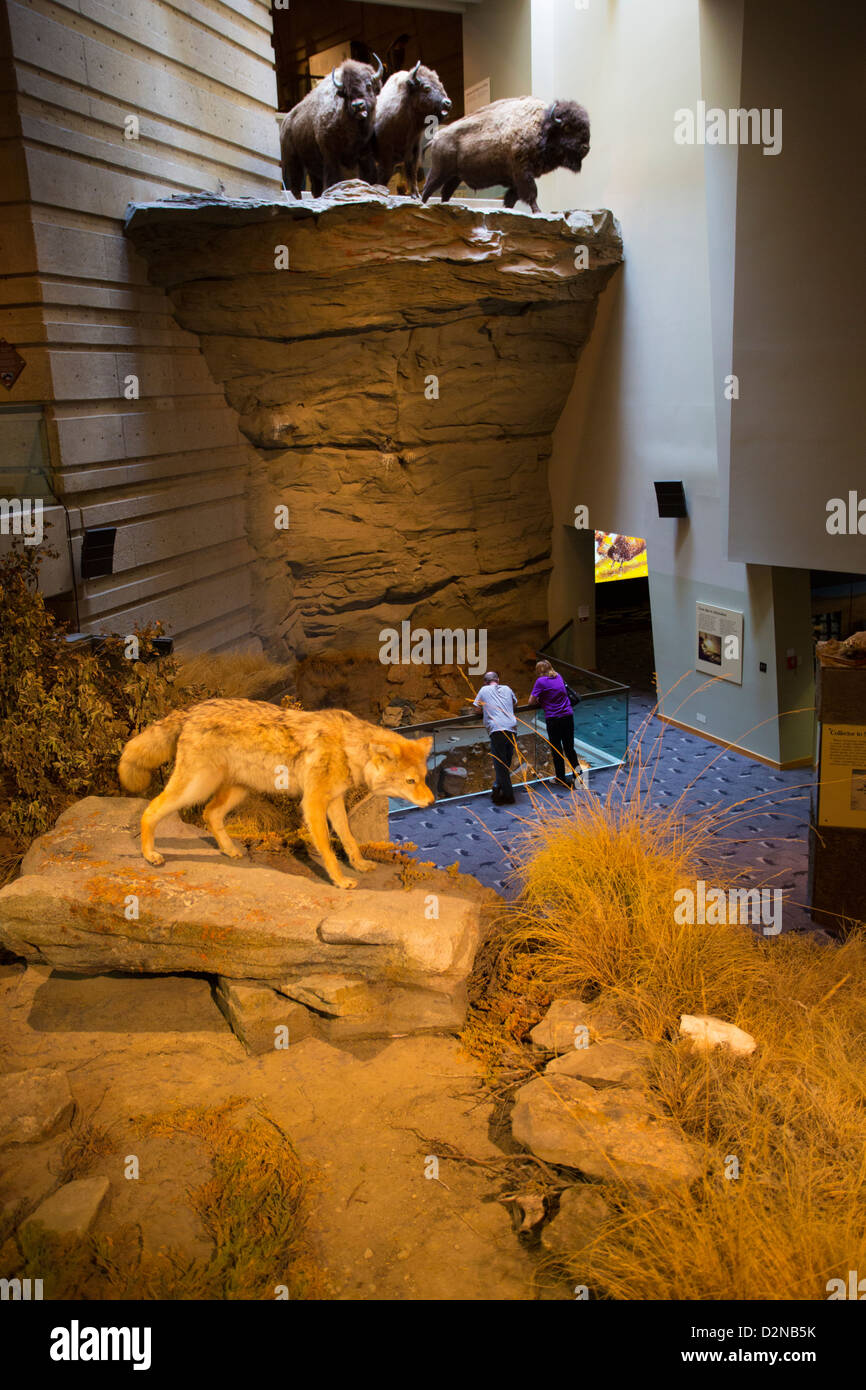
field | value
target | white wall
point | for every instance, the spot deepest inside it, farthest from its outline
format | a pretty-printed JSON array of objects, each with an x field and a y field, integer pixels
[
  {"x": 647, "y": 402},
  {"x": 799, "y": 341},
  {"x": 497, "y": 44}
]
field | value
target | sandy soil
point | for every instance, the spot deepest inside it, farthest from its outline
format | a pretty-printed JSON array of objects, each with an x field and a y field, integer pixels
[{"x": 383, "y": 1230}]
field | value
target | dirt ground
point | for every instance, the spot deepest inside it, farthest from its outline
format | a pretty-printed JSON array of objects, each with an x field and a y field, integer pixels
[{"x": 362, "y": 1120}]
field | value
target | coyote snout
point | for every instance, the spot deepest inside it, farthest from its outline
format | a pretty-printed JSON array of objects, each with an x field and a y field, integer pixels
[{"x": 225, "y": 748}]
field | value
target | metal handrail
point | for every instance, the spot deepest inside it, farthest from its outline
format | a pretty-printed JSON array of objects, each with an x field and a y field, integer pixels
[{"x": 464, "y": 720}]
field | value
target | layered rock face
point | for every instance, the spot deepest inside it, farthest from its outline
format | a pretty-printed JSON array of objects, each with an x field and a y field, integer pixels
[
  {"x": 399, "y": 368},
  {"x": 288, "y": 951}
]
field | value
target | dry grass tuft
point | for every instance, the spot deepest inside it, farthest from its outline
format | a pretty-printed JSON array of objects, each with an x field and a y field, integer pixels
[
  {"x": 253, "y": 1205},
  {"x": 86, "y": 1144},
  {"x": 232, "y": 675},
  {"x": 595, "y": 917}
]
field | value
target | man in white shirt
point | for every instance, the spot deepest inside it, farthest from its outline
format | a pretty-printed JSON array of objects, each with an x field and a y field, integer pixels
[{"x": 497, "y": 704}]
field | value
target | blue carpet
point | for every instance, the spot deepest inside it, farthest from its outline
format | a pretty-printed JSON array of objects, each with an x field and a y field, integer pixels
[{"x": 769, "y": 844}]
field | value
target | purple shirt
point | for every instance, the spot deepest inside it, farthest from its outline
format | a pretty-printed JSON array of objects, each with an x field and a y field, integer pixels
[{"x": 549, "y": 691}]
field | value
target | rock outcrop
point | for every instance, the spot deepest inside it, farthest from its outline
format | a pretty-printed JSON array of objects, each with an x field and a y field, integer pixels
[
  {"x": 399, "y": 368},
  {"x": 72, "y": 1209},
  {"x": 593, "y": 1108},
  {"x": 363, "y": 964},
  {"x": 614, "y": 1135},
  {"x": 35, "y": 1104}
]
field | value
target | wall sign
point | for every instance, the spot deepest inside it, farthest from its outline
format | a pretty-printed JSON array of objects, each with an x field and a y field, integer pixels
[
  {"x": 719, "y": 642},
  {"x": 842, "y": 792}
]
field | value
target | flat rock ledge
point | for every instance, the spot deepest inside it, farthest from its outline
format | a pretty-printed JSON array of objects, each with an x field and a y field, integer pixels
[{"x": 288, "y": 951}]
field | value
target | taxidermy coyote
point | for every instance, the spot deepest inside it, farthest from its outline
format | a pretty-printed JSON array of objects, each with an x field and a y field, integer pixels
[{"x": 225, "y": 748}]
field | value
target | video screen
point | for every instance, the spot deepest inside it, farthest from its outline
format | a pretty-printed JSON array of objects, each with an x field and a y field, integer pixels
[{"x": 619, "y": 557}]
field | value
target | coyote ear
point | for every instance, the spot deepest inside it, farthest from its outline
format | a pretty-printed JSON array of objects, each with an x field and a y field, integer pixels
[
  {"x": 379, "y": 752},
  {"x": 427, "y": 745}
]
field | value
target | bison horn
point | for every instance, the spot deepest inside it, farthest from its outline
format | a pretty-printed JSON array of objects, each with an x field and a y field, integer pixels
[
  {"x": 557, "y": 120},
  {"x": 379, "y": 67},
  {"x": 338, "y": 85},
  {"x": 413, "y": 75}
]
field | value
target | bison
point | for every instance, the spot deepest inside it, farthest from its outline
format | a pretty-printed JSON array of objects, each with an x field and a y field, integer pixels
[
  {"x": 407, "y": 100},
  {"x": 331, "y": 129},
  {"x": 510, "y": 142},
  {"x": 625, "y": 548}
]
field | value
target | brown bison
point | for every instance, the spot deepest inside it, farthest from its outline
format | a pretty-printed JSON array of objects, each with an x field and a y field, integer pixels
[
  {"x": 625, "y": 548},
  {"x": 329, "y": 134},
  {"x": 509, "y": 142},
  {"x": 407, "y": 101}
]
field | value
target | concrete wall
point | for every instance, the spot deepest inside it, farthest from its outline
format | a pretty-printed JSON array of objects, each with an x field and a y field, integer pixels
[
  {"x": 168, "y": 469},
  {"x": 497, "y": 43}
]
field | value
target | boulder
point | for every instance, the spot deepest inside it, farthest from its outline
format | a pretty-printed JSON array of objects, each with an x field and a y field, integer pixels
[
  {"x": 707, "y": 1032},
  {"x": 581, "y": 1217},
  {"x": 261, "y": 1018},
  {"x": 87, "y": 902},
  {"x": 72, "y": 1209},
  {"x": 34, "y": 1105},
  {"x": 562, "y": 1028},
  {"x": 572, "y": 1023},
  {"x": 604, "y": 1064},
  {"x": 615, "y": 1134},
  {"x": 350, "y": 1007}
]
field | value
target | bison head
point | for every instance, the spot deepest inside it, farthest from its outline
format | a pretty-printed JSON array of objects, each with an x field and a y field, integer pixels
[
  {"x": 358, "y": 85},
  {"x": 565, "y": 136},
  {"x": 428, "y": 95}
]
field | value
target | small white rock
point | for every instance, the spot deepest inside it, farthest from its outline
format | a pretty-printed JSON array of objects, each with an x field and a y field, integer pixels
[{"x": 707, "y": 1032}]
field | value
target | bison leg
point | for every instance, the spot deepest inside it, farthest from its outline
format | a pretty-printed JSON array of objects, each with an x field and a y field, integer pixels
[
  {"x": 527, "y": 191},
  {"x": 412, "y": 167},
  {"x": 367, "y": 168},
  {"x": 331, "y": 175},
  {"x": 510, "y": 198},
  {"x": 450, "y": 185},
  {"x": 293, "y": 175},
  {"x": 316, "y": 185},
  {"x": 434, "y": 182}
]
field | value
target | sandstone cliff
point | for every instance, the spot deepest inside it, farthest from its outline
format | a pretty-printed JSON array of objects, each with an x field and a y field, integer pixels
[{"x": 399, "y": 368}]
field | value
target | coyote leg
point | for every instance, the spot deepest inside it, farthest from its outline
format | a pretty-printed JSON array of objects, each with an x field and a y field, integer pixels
[
  {"x": 340, "y": 821},
  {"x": 215, "y": 813},
  {"x": 313, "y": 808},
  {"x": 179, "y": 791}
]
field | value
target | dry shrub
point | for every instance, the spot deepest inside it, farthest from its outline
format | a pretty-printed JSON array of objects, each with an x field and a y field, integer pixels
[
  {"x": 232, "y": 675},
  {"x": 65, "y": 713},
  {"x": 594, "y": 916}
]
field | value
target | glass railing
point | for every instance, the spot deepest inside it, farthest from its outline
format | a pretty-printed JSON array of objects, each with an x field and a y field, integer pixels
[{"x": 460, "y": 761}]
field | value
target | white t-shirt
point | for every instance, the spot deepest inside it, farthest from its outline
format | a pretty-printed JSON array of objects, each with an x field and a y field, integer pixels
[{"x": 497, "y": 705}]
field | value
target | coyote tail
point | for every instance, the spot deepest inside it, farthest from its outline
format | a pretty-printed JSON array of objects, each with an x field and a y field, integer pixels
[{"x": 151, "y": 748}]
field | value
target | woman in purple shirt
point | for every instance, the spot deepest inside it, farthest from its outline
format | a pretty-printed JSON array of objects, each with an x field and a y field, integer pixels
[{"x": 549, "y": 692}]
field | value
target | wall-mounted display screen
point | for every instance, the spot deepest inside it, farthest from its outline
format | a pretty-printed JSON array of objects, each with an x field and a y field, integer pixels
[{"x": 619, "y": 557}]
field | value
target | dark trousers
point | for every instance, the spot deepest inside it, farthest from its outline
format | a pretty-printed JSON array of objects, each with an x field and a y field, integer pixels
[
  {"x": 560, "y": 734},
  {"x": 502, "y": 747}
]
